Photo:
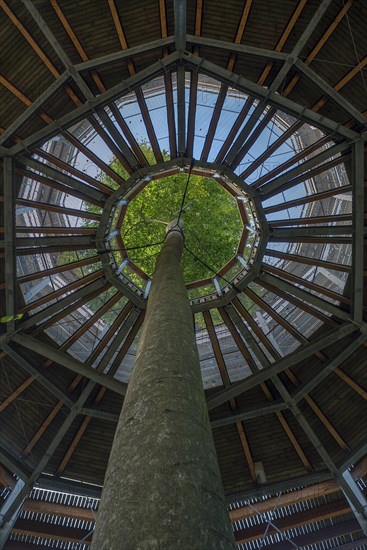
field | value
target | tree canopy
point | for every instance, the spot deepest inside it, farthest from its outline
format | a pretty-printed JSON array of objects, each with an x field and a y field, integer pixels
[{"x": 212, "y": 224}]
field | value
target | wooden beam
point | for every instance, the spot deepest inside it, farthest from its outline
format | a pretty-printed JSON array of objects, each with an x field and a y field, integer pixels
[
  {"x": 226, "y": 382},
  {"x": 264, "y": 387},
  {"x": 307, "y": 284},
  {"x": 311, "y": 56},
  {"x": 315, "y": 197},
  {"x": 311, "y": 492},
  {"x": 284, "y": 37},
  {"x": 325, "y": 511},
  {"x": 360, "y": 469},
  {"x": 51, "y": 531},
  {"x": 58, "y": 269},
  {"x": 352, "y": 383},
  {"x": 61, "y": 291},
  {"x": 22, "y": 97},
  {"x": 6, "y": 479}
]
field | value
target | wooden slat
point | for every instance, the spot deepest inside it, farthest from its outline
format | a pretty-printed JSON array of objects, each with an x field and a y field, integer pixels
[
  {"x": 61, "y": 291},
  {"x": 311, "y": 56},
  {"x": 286, "y": 499},
  {"x": 242, "y": 347},
  {"x": 226, "y": 382},
  {"x": 325, "y": 511},
  {"x": 6, "y": 479}
]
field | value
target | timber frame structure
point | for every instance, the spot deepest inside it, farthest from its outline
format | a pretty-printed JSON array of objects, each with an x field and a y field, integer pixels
[{"x": 297, "y": 416}]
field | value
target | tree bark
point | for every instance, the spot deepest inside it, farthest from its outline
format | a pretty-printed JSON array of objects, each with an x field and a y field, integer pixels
[{"x": 163, "y": 488}]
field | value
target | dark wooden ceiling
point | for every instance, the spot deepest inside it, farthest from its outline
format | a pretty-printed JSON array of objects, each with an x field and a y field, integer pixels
[{"x": 337, "y": 52}]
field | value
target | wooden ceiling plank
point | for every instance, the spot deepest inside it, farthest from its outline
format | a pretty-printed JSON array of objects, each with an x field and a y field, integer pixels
[
  {"x": 360, "y": 469},
  {"x": 139, "y": 93},
  {"x": 313, "y": 515},
  {"x": 163, "y": 18},
  {"x": 311, "y": 56},
  {"x": 101, "y": 87},
  {"x": 75, "y": 382},
  {"x": 37, "y": 436},
  {"x": 52, "y": 531},
  {"x": 22, "y": 97},
  {"x": 19, "y": 390},
  {"x": 72, "y": 386},
  {"x": 198, "y": 17},
  {"x": 286, "y": 499},
  {"x": 261, "y": 81},
  {"x": 226, "y": 382},
  {"x": 284, "y": 37},
  {"x": 29, "y": 39},
  {"x": 321, "y": 101},
  {"x": 54, "y": 71},
  {"x": 352, "y": 383},
  {"x": 59, "y": 510}
]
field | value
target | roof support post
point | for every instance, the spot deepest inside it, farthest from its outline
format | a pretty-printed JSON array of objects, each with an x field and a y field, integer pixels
[
  {"x": 9, "y": 239},
  {"x": 286, "y": 362},
  {"x": 359, "y": 508},
  {"x": 315, "y": 20},
  {"x": 358, "y": 233},
  {"x": 7, "y": 525},
  {"x": 180, "y": 25},
  {"x": 13, "y": 505},
  {"x": 361, "y": 514},
  {"x": 163, "y": 462}
]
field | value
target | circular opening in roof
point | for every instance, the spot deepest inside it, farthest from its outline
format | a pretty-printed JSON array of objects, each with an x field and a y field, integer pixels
[{"x": 220, "y": 227}]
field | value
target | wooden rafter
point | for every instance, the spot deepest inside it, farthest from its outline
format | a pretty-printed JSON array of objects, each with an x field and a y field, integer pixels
[
  {"x": 271, "y": 349},
  {"x": 224, "y": 87},
  {"x": 139, "y": 93},
  {"x": 264, "y": 387},
  {"x": 226, "y": 382}
]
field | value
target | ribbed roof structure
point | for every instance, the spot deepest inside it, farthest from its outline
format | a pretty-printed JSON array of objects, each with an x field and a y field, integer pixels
[{"x": 269, "y": 99}]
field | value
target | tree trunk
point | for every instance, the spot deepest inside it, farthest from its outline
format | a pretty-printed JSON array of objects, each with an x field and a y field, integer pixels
[{"x": 163, "y": 488}]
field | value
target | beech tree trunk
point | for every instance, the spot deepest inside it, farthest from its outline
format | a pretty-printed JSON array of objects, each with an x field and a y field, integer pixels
[{"x": 163, "y": 488}]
